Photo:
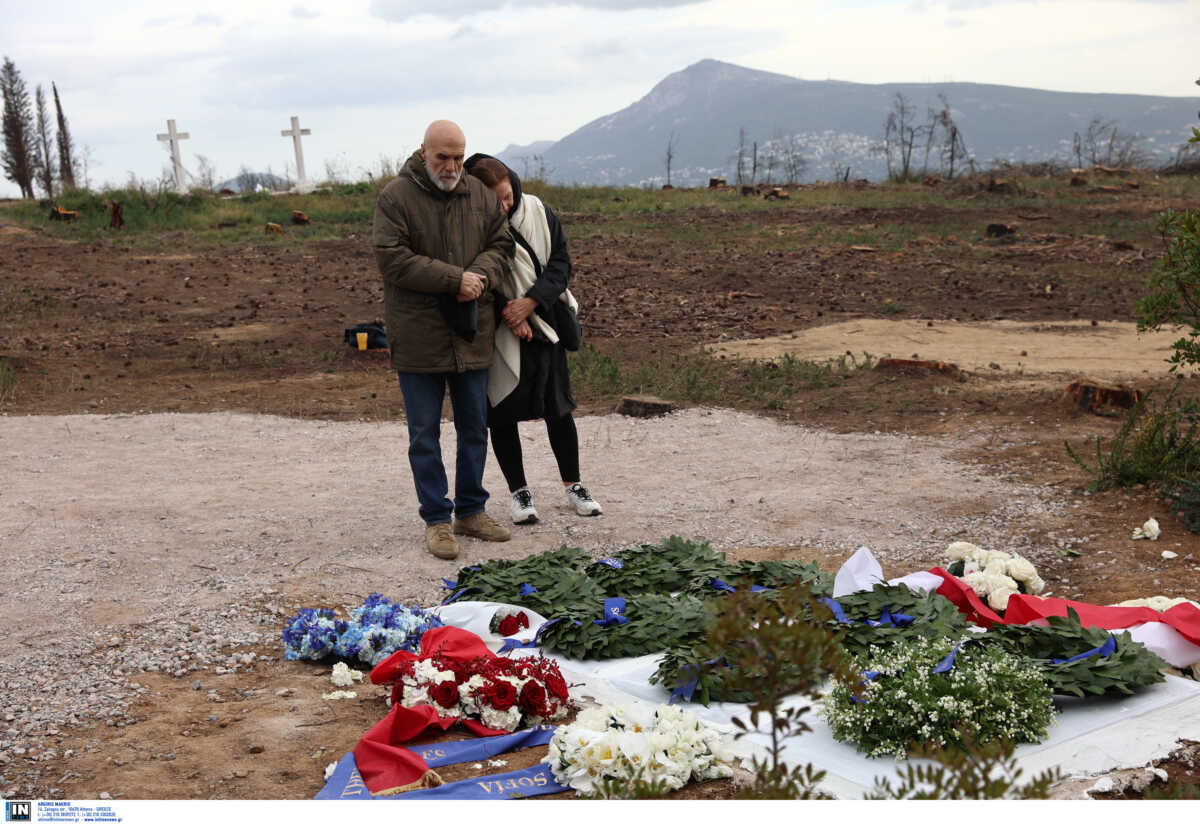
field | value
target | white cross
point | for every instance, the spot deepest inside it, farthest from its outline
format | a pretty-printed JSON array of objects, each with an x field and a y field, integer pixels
[
  {"x": 294, "y": 133},
  {"x": 174, "y": 137}
]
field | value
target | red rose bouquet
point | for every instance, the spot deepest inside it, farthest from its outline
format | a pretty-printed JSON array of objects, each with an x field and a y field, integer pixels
[{"x": 509, "y": 621}]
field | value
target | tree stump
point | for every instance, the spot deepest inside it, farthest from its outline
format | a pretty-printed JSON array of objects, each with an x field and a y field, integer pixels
[
  {"x": 116, "y": 215},
  {"x": 1095, "y": 398},
  {"x": 645, "y": 406}
]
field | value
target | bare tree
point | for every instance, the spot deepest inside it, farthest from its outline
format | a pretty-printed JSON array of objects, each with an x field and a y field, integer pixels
[
  {"x": 84, "y": 162},
  {"x": 534, "y": 167},
  {"x": 206, "y": 173},
  {"x": 19, "y": 151},
  {"x": 44, "y": 161},
  {"x": 741, "y": 157},
  {"x": 670, "y": 155},
  {"x": 754, "y": 165},
  {"x": 795, "y": 164},
  {"x": 66, "y": 163},
  {"x": 1104, "y": 144},
  {"x": 900, "y": 136}
]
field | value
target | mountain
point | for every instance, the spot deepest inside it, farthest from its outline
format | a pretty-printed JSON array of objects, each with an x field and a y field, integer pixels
[
  {"x": 523, "y": 158},
  {"x": 248, "y": 181},
  {"x": 835, "y": 124}
]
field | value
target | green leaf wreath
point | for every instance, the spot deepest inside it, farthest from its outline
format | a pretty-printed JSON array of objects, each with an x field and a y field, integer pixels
[{"x": 1126, "y": 669}]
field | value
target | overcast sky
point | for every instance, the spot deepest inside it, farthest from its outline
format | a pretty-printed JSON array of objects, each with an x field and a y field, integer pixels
[{"x": 367, "y": 76}]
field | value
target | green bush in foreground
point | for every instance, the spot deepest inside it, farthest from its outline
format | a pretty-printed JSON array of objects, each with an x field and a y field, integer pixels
[{"x": 1154, "y": 443}]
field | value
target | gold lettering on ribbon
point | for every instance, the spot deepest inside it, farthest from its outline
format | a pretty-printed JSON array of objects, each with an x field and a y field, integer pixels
[{"x": 354, "y": 785}]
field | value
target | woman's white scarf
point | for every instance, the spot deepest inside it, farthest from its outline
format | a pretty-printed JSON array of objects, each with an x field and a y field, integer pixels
[{"x": 530, "y": 220}]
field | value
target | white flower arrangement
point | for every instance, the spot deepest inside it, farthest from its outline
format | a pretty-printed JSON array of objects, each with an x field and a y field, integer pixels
[
  {"x": 651, "y": 743},
  {"x": 1149, "y": 530},
  {"x": 1159, "y": 602},
  {"x": 994, "y": 575},
  {"x": 343, "y": 676}
]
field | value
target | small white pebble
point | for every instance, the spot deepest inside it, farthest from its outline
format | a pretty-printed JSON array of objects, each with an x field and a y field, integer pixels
[
  {"x": 497, "y": 763},
  {"x": 337, "y": 695},
  {"x": 1168, "y": 554},
  {"x": 477, "y": 766},
  {"x": 329, "y": 770}
]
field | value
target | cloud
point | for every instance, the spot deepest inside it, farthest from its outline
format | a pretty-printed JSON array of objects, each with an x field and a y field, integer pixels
[
  {"x": 302, "y": 13},
  {"x": 400, "y": 10},
  {"x": 207, "y": 20}
]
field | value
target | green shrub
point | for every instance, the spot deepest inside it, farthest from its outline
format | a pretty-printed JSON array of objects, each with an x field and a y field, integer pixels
[
  {"x": 1182, "y": 494},
  {"x": 8, "y": 381},
  {"x": 1154, "y": 443}
]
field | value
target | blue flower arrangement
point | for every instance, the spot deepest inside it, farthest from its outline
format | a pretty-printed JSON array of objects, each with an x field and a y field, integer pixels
[{"x": 375, "y": 630}]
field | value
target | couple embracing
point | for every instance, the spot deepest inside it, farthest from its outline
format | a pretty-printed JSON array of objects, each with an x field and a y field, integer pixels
[{"x": 475, "y": 289}]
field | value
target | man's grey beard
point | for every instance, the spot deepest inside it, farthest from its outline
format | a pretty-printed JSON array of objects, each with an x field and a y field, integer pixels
[{"x": 441, "y": 184}]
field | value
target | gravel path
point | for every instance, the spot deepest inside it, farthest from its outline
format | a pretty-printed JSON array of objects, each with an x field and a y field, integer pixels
[{"x": 156, "y": 543}]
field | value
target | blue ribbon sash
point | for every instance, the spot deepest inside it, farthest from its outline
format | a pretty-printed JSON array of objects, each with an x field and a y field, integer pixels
[
  {"x": 535, "y": 780},
  {"x": 346, "y": 782},
  {"x": 614, "y": 613},
  {"x": 1104, "y": 650}
]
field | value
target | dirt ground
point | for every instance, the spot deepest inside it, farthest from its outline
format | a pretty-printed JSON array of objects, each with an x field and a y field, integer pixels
[{"x": 108, "y": 330}]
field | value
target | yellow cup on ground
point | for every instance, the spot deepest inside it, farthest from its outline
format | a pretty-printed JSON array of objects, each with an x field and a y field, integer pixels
[{"x": 362, "y": 341}]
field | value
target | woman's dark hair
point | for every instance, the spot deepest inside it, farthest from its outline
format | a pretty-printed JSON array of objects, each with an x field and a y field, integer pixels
[{"x": 489, "y": 170}]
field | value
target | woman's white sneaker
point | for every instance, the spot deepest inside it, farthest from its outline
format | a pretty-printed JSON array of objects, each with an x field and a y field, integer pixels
[
  {"x": 582, "y": 500},
  {"x": 522, "y": 508}
]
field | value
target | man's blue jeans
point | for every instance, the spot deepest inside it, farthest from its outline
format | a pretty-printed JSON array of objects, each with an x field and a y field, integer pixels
[{"x": 423, "y": 395}]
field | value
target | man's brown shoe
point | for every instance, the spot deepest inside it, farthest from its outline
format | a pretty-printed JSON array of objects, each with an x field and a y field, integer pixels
[
  {"x": 481, "y": 526},
  {"x": 440, "y": 542}
]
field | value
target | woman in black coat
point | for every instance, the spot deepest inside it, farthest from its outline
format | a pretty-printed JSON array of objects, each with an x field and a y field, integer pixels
[{"x": 529, "y": 378}]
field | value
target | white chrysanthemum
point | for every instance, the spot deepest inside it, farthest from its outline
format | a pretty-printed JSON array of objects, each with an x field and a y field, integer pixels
[{"x": 1036, "y": 586}]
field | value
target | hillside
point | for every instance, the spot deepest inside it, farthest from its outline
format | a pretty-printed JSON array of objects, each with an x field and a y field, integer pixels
[{"x": 834, "y": 125}]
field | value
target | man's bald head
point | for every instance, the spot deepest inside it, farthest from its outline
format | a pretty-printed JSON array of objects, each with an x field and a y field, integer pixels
[
  {"x": 443, "y": 151},
  {"x": 444, "y": 131}
]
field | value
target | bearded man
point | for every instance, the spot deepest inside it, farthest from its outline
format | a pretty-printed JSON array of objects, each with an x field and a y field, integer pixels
[{"x": 441, "y": 242}]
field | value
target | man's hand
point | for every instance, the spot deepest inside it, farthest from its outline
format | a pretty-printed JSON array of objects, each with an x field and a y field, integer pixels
[
  {"x": 471, "y": 287},
  {"x": 517, "y": 310}
]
